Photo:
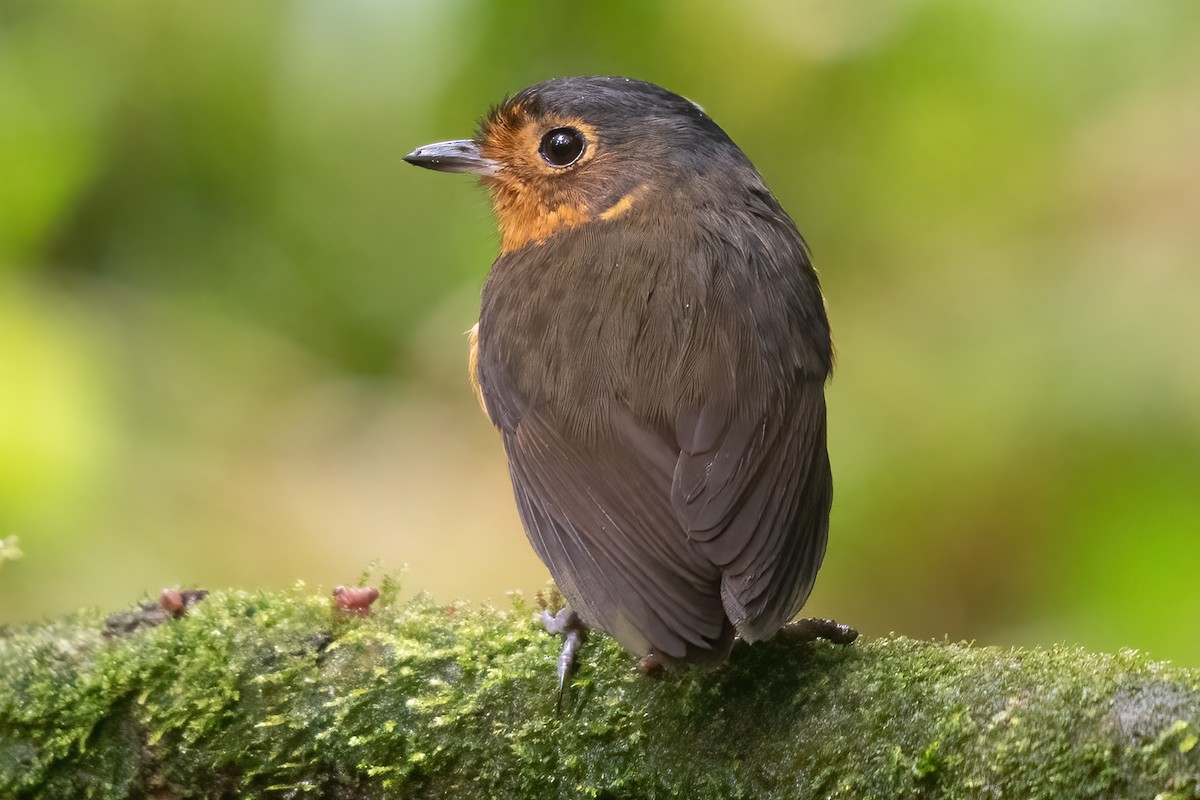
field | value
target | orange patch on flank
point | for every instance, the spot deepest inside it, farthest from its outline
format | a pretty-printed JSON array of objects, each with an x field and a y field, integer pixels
[{"x": 473, "y": 365}]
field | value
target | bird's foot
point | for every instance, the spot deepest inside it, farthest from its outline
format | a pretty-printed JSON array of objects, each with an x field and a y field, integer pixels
[
  {"x": 651, "y": 665},
  {"x": 567, "y": 624},
  {"x": 809, "y": 630}
]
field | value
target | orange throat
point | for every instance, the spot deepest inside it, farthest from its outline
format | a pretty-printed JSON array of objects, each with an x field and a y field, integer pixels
[{"x": 524, "y": 219}]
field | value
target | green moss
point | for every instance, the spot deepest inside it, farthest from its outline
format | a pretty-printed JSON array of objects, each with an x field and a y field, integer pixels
[{"x": 280, "y": 695}]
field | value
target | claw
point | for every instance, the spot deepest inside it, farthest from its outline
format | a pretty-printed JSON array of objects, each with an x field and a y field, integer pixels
[
  {"x": 808, "y": 630},
  {"x": 565, "y": 623}
]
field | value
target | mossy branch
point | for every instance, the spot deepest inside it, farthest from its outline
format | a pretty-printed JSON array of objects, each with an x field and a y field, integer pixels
[{"x": 280, "y": 695}]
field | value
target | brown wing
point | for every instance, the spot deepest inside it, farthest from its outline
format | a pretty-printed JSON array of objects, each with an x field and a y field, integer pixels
[
  {"x": 753, "y": 495},
  {"x": 664, "y": 545},
  {"x": 598, "y": 514}
]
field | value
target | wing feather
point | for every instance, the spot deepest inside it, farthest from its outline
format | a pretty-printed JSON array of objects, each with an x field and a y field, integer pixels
[
  {"x": 757, "y": 503},
  {"x": 602, "y": 522}
]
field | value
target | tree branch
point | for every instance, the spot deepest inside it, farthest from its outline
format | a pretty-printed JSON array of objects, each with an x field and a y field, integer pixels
[{"x": 282, "y": 695}]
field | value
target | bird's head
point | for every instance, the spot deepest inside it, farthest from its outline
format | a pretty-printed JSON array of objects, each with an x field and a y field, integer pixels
[{"x": 576, "y": 151}]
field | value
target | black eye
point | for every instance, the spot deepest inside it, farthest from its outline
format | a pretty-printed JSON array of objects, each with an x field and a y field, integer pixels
[{"x": 562, "y": 147}]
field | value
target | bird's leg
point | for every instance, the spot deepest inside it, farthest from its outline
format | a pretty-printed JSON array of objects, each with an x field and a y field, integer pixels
[
  {"x": 565, "y": 623},
  {"x": 809, "y": 630}
]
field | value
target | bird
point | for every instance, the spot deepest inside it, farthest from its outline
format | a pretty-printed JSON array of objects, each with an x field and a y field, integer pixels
[{"x": 653, "y": 346}]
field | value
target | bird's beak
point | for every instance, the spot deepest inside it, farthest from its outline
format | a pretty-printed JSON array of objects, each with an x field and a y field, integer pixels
[{"x": 460, "y": 155}]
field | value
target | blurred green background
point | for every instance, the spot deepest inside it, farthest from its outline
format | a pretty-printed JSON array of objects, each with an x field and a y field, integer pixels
[{"x": 231, "y": 318}]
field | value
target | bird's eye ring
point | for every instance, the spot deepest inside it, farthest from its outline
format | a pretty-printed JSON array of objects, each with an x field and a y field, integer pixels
[{"x": 561, "y": 147}]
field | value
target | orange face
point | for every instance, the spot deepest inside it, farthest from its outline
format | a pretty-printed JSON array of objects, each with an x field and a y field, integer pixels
[{"x": 533, "y": 195}]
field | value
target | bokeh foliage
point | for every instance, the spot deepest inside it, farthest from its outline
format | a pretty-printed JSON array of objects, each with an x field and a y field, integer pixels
[{"x": 230, "y": 315}]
